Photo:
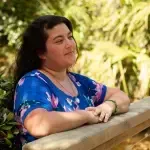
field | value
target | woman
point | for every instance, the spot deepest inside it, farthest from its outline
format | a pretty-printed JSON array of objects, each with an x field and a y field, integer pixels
[{"x": 50, "y": 99}]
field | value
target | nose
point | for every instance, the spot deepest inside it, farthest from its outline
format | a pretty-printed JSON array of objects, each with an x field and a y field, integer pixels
[{"x": 68, "y": 43}]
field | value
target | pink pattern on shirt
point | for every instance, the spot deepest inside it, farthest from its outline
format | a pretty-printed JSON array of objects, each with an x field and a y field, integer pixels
[
  {"x": 21, "y": 81},
  {"x": 52, "y": 99},
  {"x": 24, "y": 130},
  {"x": 98, "y": 93}
]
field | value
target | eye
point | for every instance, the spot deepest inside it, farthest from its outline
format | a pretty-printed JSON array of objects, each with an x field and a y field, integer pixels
[
  {"x": 59, "y": 41},
  {"x": 70, "y": 37}
]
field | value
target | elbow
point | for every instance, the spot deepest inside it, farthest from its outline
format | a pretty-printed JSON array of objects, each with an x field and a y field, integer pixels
[
  {"x": 37, "y": 124},
  {"x": 126, "y": 104},
  {"x": 40, "y": 130},
  {"x": 125, "y": 107}
]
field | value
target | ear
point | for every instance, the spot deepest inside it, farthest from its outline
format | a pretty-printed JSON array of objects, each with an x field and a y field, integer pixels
[{"x": 42, "y": 56}]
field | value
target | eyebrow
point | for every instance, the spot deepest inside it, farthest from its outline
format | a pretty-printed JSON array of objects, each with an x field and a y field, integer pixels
[{"x": 60, "y": 36}]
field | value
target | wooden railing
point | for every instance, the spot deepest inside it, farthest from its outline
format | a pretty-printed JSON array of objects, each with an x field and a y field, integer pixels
[{"x": 102, "y": 136}]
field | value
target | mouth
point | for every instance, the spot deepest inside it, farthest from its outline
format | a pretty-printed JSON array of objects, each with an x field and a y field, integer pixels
[{"x": 69, "y": 53}]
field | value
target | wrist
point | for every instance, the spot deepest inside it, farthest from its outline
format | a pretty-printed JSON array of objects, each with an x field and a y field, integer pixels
[{"x": 113, "y": 104}]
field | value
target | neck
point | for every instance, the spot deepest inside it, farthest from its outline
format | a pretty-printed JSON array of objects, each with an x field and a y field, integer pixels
[{"x": 59, "y": 75}]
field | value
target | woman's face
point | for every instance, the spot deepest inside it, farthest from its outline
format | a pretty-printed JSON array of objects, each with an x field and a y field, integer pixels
[{"x": 61, "y": 48}]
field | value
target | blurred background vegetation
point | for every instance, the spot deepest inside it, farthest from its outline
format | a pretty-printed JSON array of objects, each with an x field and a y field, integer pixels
[{"x": 113, "y": 38}]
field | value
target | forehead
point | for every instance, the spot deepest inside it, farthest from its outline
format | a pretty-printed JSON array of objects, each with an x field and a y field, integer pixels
[{"x": 60, "y": 29}]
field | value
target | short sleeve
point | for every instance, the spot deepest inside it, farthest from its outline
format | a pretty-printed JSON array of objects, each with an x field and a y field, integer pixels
[
  {"x": 94, "y": 90},
  {"x": 97, "y": 92},
  {"x": 31, "y": 93}
]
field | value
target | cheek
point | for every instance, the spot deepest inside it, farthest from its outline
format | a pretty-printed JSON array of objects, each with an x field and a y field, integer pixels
[{"x": 54, "y": 51}]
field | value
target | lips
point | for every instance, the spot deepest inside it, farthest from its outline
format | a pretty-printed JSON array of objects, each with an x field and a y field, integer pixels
[{"x": 69, "y": 52}]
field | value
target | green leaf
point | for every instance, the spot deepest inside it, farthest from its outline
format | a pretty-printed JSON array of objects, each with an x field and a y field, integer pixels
[
  {"x": 13, "y": 123},
  {"x": 4, "y": 117},
  {"x": 15, "y": 131},
  {"x": 2, "y": 125},
  {"x": 10, "y": 135},
  {"x": 6, "y": 127},
  {"x": 2, "y": 134},
  {"x": 8, "y": 142},
  {"x": 10, "y": 116}
]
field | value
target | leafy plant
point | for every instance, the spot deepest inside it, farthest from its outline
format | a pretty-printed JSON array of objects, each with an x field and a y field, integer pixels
[
  {"x": 113, "y": 40},
  {"x": 8, "y": 126},
  {"x": 8, "y": 129}
]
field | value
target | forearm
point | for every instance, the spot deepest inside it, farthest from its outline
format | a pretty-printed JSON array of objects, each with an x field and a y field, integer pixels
[
  {"x": 46, "y": 123},
  {"x": 61, "y": 121}
]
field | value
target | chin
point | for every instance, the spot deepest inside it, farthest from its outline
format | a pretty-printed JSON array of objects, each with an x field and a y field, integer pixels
[{"x": 71, "y": 63}]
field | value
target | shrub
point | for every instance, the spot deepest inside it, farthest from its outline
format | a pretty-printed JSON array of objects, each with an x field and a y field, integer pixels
[{"x": 8, "y": 126}]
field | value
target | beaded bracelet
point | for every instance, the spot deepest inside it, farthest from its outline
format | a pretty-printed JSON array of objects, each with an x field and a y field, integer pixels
[{"x": 114, "y": 102}]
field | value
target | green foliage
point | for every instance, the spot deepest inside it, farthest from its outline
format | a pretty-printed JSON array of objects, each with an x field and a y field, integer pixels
[
  {"x": 119, "y": 30},
  {"x": 8, "y": 128},
  {"x": 113, "y": 40},
  {"x": 116, "y": 31},
  {"x": 14, "y": 19}
]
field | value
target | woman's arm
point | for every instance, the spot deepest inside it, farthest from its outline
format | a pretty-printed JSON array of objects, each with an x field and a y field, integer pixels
[
  {"x": 40, "y": 122},
  {"x": 108, "y": 107},
  {"x": 121, "y": 99}
]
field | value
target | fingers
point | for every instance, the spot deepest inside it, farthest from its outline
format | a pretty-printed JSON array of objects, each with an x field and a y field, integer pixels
[
  {"x": 100, "y": 111},
  {"x": 107, "y": 116},
  {"x": 102, "y": 116}
]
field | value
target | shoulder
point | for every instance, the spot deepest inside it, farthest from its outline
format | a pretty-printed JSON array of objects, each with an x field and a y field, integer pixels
[
  {"x": 33, "y": 78},
  {"x": 77, "y": 76},
  {"x": 82, "y": 78},
  {"x": 86, "y": 81}
]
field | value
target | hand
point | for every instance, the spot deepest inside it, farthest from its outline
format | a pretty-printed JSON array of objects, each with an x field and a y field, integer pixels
[
  {"x": 104, "y": 111},
  {"x": 92, "y": 119},
  {"x": 88, "y": 116}
]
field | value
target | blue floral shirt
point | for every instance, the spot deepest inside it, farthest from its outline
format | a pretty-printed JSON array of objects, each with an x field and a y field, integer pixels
[{"x": 36, "y": 90}]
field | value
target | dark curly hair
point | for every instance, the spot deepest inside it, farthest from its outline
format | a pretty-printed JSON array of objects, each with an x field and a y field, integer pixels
[{"x": 33, "y": 44}]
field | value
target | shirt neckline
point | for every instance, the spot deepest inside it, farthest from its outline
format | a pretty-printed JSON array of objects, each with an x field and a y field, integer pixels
[{"x": 58, "y": 90}]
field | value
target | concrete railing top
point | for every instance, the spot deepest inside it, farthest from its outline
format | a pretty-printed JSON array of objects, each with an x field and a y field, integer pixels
[{"x": 98, "y": 136}]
